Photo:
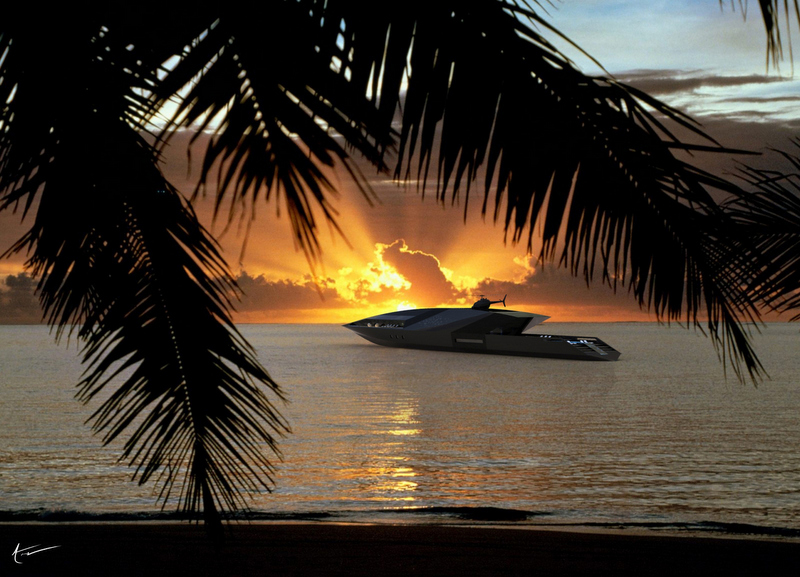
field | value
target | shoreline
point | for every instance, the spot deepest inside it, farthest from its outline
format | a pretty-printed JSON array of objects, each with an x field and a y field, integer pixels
[
  {"x": 448, "y": 516},
  {"x": 322, "y": 548}
]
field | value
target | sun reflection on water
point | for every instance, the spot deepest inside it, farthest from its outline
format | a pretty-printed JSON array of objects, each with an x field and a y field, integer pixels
[
  {"x": 404, "y": 419},
  {"x": 385, "y": 473}
]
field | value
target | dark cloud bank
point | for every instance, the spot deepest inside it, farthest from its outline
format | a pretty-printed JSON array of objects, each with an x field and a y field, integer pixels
[{"x": 18, "y": 302}]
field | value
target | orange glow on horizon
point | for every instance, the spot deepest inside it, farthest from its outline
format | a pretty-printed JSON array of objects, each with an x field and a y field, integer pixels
[
  {"x": 402, "y": 253},
  {"x": 561, "y": 314}
]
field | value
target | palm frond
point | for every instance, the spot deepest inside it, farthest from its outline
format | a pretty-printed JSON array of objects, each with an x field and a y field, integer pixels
[
  {"x": 284, "y": 121},
  {"x": 587, "y": 160},
  {"x": 770, "y": 219},
  {"x": 773, "y": 13},
  {"x": 122, "y": 256}
]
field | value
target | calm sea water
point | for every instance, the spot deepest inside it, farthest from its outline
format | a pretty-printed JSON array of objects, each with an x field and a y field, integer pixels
[{"x": 659, "y": 438}]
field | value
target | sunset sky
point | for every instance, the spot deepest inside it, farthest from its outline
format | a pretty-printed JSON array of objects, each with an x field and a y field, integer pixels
[{"x": 706, "y": 60}]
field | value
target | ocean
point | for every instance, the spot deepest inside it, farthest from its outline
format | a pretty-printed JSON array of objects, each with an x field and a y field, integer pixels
[{"x": 660, "y": 439}]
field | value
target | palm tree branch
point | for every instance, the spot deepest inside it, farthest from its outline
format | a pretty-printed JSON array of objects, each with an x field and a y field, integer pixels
[
  {"x": 553, "y": 136},
  {"x": 770, "y": 219},
  {"x": 138, "y": 285}
]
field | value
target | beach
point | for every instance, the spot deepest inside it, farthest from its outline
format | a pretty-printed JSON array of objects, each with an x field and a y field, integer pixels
[{"x": 331, "y": 549}]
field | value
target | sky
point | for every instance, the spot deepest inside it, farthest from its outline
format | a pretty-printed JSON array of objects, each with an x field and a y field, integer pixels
[{"x": 704, "y": 58}]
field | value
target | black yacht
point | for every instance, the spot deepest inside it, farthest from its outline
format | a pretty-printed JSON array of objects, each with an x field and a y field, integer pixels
[{"x": 480, "y": 329}]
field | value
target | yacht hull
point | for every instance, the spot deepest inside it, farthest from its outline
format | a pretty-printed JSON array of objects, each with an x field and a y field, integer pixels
[{"x": 468, "y": 333}]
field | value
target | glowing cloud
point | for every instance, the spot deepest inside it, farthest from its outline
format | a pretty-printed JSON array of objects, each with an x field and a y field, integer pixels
[{"x": 395, "y": 277}]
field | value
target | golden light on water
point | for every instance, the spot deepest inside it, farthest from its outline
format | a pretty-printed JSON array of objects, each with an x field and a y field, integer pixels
[
  {"x": 405, "y": 417},
  {"x": 395, "y": 479}
]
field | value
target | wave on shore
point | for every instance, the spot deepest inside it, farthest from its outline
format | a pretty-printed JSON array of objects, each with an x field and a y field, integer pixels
[{"x": 458, "y": 515}]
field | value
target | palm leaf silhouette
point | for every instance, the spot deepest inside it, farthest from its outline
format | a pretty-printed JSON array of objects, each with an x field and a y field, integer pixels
[
  {"x": 772, "y": 16},
  {"x": 120, "y": 253},
  {"x": 589, "y": 161},
  {"x": 770, "y": 220}
]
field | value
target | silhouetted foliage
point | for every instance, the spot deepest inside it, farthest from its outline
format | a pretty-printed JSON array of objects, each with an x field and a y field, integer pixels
[{"x": 768, "y": 222}]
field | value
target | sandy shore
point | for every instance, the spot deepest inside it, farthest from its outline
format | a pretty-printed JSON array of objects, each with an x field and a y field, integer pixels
[{"x": 383, "y": 550}]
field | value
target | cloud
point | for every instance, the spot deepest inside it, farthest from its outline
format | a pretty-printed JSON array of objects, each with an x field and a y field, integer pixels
[
  {"x": 261, "y": 294},
  {"x": 538, "y": 285},
  {"x": 665, "y": 82},
  {"x": 742, "y": 99},
  {"x": 424, "y": 273},
  {"x": 752, "y": 112},
  {"x": 396, "y": 274},
  {"x": 18, "y": 302},
  {"x": 399, "y": 276}
]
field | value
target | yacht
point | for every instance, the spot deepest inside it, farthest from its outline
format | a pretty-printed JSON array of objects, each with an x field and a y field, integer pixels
[{"x": 480, "y": 329}]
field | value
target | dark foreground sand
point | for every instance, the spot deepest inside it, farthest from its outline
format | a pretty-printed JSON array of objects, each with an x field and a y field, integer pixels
[{"x": 326, "y": 549}]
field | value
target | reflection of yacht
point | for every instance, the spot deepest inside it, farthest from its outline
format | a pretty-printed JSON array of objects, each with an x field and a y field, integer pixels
[{"x": 479, "y": 329}]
